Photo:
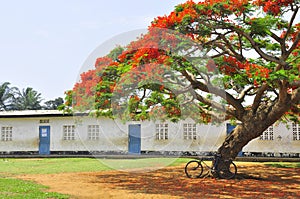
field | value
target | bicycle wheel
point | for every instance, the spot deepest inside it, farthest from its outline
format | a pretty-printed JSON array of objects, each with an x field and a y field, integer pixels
[
  {"x": 193, "y": 169},
  {"x": 226, "y": 171}
]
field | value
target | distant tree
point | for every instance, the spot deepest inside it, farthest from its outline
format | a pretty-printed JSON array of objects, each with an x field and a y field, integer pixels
[
  {"x": 6, "y": 96},
  {"x": 27, "y": 99},
  {"x": 53, "y": 104}
]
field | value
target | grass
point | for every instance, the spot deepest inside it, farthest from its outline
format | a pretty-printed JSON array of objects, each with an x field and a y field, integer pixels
[
  {"x": 284, "y": 164},
  {"x": 19, "y": 189},
  {"x": 143, "y": 163},
  {"x": 15, "y": 188},
  {"x": 49, "y": 165},
  {"x": 63, "y": 165}
]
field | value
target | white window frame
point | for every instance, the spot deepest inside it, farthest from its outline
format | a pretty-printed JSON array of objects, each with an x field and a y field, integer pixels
[
  {"x": 268, "y": 134},
  {"x": 296, "y": 131},
  {"x": 69, "y": 132},
  {"x": 189, "y": 131},
  {"x": 162, "y": 131},
  {"x": 93, "y": 132},
  {"x": 6, "y": 133}
]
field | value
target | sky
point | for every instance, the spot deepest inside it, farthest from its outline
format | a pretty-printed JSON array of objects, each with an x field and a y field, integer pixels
[{"x": 46, "y": 44}]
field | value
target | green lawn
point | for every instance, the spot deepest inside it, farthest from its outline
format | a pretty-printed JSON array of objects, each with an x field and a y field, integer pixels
[
  {"x": 63, "y": 165},
  {"x": 13, "y": 188},
  {"x": 284, "y": 164},
  {"x": 49, "y": 165}
]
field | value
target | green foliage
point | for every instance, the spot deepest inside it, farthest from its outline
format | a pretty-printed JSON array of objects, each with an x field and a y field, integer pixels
[
  {"x": 114, "y": 54},
  {"x": 263, "y": 25},
  {"x": 284, "y": 165},
  {"x": 201, "y": 59},
  {"x": 27, "y": 99},
  {"x": 53, "y": 104},
  {"x": 6, "y": 96}
]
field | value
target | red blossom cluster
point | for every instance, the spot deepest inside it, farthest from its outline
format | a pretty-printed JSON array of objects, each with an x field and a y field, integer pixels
[
  {"x": 257, "y": 72},
  {"x": 191, "y": 11},
  {"x": 231, "y": 65},
  {"x": 142, "y": 57},
  {"x": 187, "y": 10},
  {"x": 102, "y": 62},
  {"x": 273, "y": 6},
  {"x": 88, "y": 81}
]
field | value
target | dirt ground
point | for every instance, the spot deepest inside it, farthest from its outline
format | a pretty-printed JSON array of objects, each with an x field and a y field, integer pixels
[{"x": 254, "y": 180}]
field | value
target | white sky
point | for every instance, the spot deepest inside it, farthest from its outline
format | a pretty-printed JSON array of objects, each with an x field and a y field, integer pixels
[{"x": 43, "y": 44}]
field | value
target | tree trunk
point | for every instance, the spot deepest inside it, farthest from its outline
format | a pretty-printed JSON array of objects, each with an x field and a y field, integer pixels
[
  {"x": 236, "y": 140},
  {"x": 252, "y": 126}
]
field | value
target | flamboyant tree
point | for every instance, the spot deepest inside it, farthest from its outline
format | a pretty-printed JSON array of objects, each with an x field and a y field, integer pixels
[{"x": 212, "y": 60}]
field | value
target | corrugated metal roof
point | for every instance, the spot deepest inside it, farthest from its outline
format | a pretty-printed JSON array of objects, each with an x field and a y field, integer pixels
[{"x": 32, "y": 113}]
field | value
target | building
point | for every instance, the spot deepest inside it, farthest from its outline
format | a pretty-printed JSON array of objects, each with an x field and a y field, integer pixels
[{"x": 51, "y": 131}]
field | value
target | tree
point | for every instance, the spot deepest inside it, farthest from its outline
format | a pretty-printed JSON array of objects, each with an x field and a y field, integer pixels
[
  {"x": 6, "y": 96},
  {"x": 53, "y": 104},
  {"x": 27, "y": 99},
  {"x": 214, "y": 60}
]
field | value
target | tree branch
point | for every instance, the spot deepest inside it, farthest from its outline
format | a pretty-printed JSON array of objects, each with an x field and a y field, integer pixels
[
  {"x": 244, "y": 93},
  {"x": 257, "y": 49},
  {"x": 295, "y": 84},
  {"x": 291, "y": 23},
  {"x": 296, "y": 42},
  {"x": 258, "y": 96},
  {"x": 296, "y": 97},
  {"x": 213, "y": 104}
]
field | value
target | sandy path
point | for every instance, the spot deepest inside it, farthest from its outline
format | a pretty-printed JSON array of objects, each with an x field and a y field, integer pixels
[{"x": 254, "y": 180}]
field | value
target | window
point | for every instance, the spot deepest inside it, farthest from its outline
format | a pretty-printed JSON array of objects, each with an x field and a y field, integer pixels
[
  {"x": 69, "y": 132},
  {"x": 6, "y": 133},
  {"x": 268, "y": 134},
  {"x": 161, "y": 131},
  {"x": 93, "y": 132},
  {"x": 189, "y": 131},
  {"x": 296, "y": 131}
]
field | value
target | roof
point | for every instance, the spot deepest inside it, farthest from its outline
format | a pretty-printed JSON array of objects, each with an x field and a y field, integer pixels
[{"x": 33, "y": 113}]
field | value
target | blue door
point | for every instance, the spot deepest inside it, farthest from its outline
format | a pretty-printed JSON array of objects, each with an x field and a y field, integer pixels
[
  {"x": 134, "y": 139},
  {"x": 230, "y": 128},
  {"x": 44, "y": 134}
]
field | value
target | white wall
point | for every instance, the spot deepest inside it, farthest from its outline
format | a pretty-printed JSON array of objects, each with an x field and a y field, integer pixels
[
  {"x": 25, "y": 136},
  {"x": 285, "y": 144},
  {"x": 209, "y": 137},
  {"x": 114, "y": 136}
]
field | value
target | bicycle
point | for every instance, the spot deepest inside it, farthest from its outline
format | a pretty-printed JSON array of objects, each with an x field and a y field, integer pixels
[{"x": 226, "y": 170}]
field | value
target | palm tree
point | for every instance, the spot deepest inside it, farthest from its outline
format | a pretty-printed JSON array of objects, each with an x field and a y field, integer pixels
[
  {"x": 6, "y": 96},
  {"x": 28, "y": 99}
]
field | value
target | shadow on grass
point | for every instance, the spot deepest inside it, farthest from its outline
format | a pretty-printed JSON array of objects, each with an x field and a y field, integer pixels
[{"x": 251, "y": 181}]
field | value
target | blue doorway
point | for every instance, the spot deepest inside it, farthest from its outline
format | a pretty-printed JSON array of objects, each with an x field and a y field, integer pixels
[
  {"x": 44, "y": 135},
  {"x": 229, "y": 128},
  {"x": 134, "y": 139}
]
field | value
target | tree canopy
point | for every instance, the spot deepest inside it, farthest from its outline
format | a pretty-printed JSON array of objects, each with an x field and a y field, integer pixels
[
  {"x": 211, "y": 61},
  {"x": 245, "y": 53},
  {"x": 6, "y": 96},
  {"x": 12, "y": 98}
]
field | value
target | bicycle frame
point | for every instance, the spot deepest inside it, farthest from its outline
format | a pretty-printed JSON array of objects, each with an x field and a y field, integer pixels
[{"x": 214, "y": 170}]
